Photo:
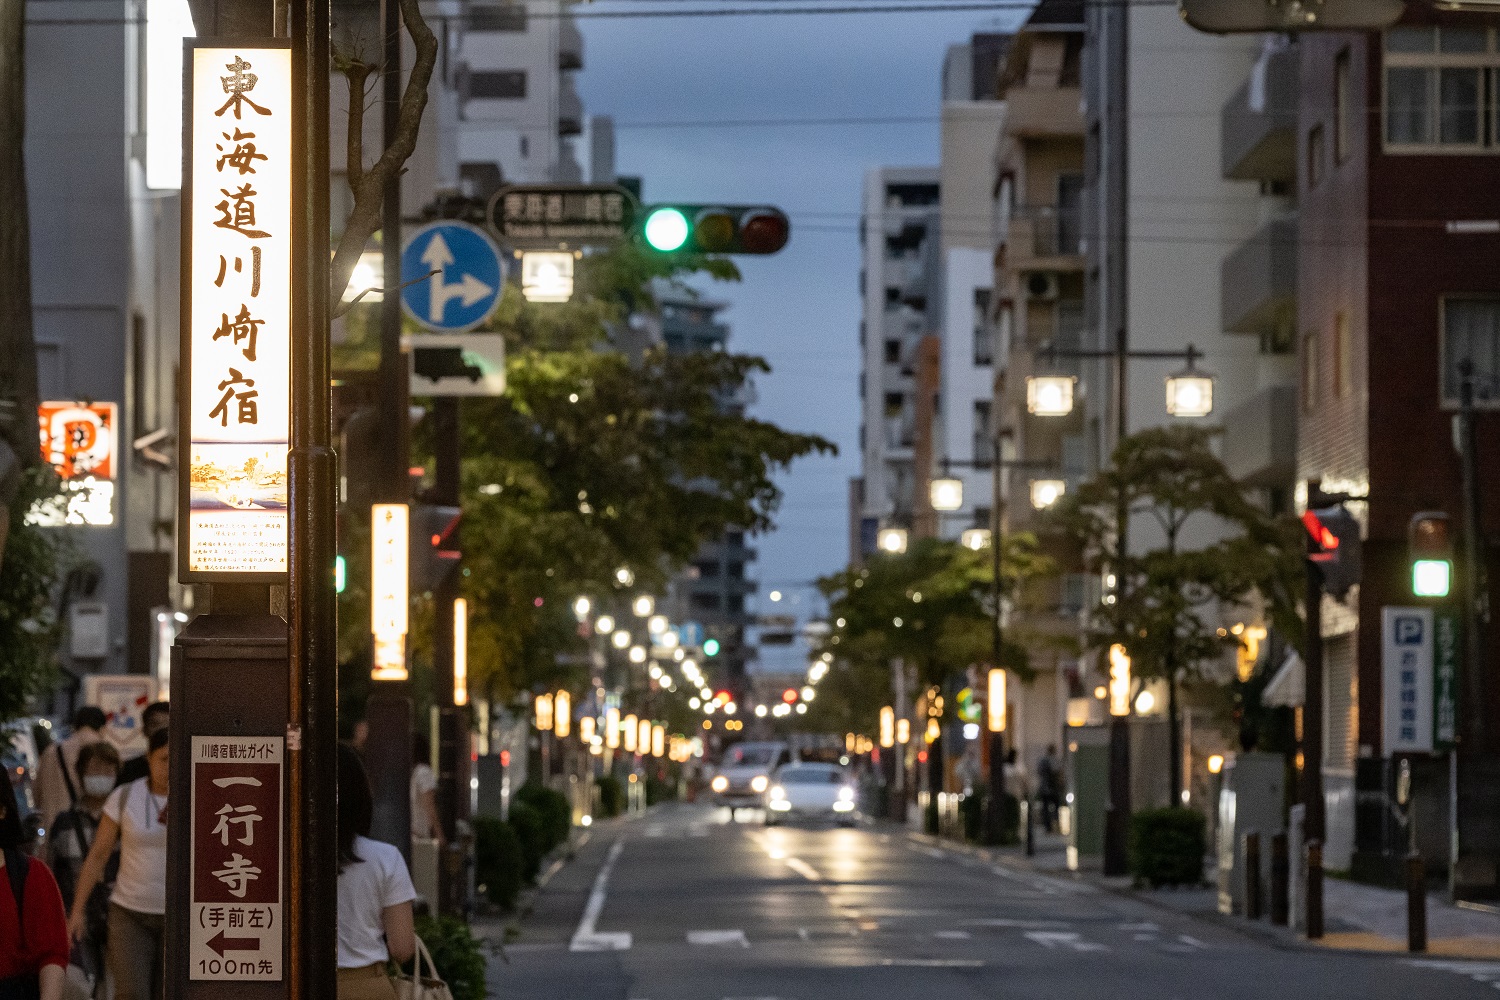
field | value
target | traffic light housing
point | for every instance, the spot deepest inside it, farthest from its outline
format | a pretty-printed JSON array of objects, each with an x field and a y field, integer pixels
[
  {"x": 434, "y": 545},
  {"x": 736, "y": 229},
  {"x": 1334, "y": 544},
  {"x": 1430, "y": 545}
]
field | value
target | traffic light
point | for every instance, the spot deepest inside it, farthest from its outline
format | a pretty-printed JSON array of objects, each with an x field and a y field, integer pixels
[
  {"x": 1335, "y": 546},
  {"x": 711, "y": 647},
  {"x": 1431, "y": 548},
  {"x": 742, "y": 229},
  {"x": 434, "y": 545}
]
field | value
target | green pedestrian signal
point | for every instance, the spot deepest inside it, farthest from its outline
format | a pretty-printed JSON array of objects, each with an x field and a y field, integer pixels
[
  {"x": 338, "y": 574},
  {"x": 1431, "y": 550},
  {"x": 734, "y": 229},
  {"x": 711, "y": 647}
]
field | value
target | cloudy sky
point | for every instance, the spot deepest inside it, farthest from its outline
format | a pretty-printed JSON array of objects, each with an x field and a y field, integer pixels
[{"x": 661, "y": 79}]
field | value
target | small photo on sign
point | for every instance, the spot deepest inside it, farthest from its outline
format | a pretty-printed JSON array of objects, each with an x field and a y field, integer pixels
[{"x": 238, "y": 477}]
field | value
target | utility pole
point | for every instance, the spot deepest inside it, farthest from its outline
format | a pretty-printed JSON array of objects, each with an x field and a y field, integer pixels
[
  {"x": 388, "y": 752},
  {"x": 452, "y": 754}
]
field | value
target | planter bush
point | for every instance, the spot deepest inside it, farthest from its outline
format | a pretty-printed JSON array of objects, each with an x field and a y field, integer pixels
[
  {"x": 532, "y": 833},
  {"x": 611, "y": 796},
  {"x": 499, "y": 861},
  {"x": 457, "y": 955},
  {"x": 553, "y": 808},
  {"x": 1167, "y": 847}
]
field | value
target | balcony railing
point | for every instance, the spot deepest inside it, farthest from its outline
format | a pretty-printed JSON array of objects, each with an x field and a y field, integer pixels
[{"x": 1053, "y": 232}]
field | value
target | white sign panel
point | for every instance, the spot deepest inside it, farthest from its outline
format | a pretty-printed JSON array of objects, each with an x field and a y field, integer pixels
[
  {"x": 1406, "y": 680},
  {"x": 390, "y": 542},
  {"x": 237, "y": 253},
  {"x": 456, "y": 364},
  {"x": 236, "y": 859}
]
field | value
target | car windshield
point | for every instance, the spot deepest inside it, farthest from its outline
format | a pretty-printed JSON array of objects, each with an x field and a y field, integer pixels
[
  {"x": 752, "y": 756},
  {"x": 810, "y": 775}
]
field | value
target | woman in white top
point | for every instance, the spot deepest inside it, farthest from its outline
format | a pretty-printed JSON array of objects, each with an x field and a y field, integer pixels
[
  {"x": 136, "y": 816},
  {"x": 375, "y": 893}
]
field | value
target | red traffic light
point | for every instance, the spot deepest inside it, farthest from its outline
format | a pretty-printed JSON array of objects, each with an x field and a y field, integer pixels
[
  {"x": 789, "y": 695},
  {"x": 1319, "y": 531},
  {"x": 764, "y": 231}
]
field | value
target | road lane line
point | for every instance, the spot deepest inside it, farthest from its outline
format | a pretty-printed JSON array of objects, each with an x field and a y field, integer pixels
[
  {"x": 934, "y": 963},
  {"x": 1052, "y": 940},
  {"x": 804, "y": 869},
  {"x": 718, "y": 938},
  {"x": 952, "y": 935},
  {"x": 586, "y": 938}
]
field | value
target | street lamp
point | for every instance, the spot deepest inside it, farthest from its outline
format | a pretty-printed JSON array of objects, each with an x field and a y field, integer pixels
[
  {"x": 1049, "y": 395},
  {"x": 976, "y": 539},
  {"x": 605, "y": 625},
  {"x": 547, "y": 276},
  {"x": 544, "y": 712},
  {"x": 947, "y": 494},
  {"x": 1046, "y": 492},
  {"x": 562, "y": 710},
  {"x": 656, "y": 624},
  {"x": 637, "y": 654},
  {"x": 891, "y": 540},
  {"x": 612, "y": 728},
  {"x": 643, "y": 606},
  {"x": 1117, "y": 813},
  {"x": 581, "y": 608},
  {"x": 621, "y": 639},
  {"x": 629, "y": 731},
  {"x": 887, "y": 726},
  {"x": 1190, "y": 392},
  {"x": 624, "y": 577}
]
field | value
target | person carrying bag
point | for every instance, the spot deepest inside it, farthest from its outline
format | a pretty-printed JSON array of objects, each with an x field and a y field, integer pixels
[{"x": 417, "y": 986}]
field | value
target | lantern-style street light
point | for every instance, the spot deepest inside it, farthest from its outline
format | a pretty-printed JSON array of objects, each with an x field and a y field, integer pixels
[{"x": 1049, "y": 395}]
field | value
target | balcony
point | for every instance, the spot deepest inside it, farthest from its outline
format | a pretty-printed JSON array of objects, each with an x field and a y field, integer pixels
[
  {"x": 1258, "y": 281},
  {"x": 1044, "y": 112},
  {"x": 1043, "y": 238},
  {"x": 569, "y": 45},
  {"x": 1258, "y": 125},
  {"x": 1260, "y": 439},
  {"x": 569, "y": 111}
]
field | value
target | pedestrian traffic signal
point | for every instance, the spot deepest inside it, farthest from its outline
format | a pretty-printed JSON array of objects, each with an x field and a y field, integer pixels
[
  {"x": 1334, "y": 544},
  {"x": 1431, "y": 549},
  {"x": 711, "y": 647},
  {"x": 741, "y": 229},
  {"x": 434, "y": 545}
]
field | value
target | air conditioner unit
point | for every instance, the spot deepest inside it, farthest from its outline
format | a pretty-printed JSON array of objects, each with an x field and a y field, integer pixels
[{"x": 1041, "y": 285}]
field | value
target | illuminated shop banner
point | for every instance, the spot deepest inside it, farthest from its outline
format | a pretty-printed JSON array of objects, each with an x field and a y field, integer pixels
[
  {"x": 390, "y": 569},
  {"x": 236, "y": 333},
  {"x": 80, "y": 442}
]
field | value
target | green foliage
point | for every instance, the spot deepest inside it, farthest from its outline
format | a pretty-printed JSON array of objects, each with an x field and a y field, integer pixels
[
  {"x": 1167, "y": 847},
  {"x": 611, "y": 795},
  {"x": 31, "y": 568},
  {"x": 554, "y": 810},
  {"x": 531, "y": 831},
  {"x": 457, "y": 954},
  {"x": 942, "y": 596},
  {"x": 659, "y": 789},
  {"x": 499, "y": 861}
]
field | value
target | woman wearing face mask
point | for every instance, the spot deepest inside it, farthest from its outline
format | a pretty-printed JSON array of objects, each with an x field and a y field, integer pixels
[
  {"x": 72, "y": 833},
  {"x": 135, "y": 816}
]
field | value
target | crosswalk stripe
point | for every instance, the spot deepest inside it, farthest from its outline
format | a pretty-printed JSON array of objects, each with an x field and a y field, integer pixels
[{"x": 718, "y": 938}]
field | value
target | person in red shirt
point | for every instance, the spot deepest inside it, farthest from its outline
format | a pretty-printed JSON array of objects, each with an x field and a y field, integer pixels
[{"x": 34, "y": 935}]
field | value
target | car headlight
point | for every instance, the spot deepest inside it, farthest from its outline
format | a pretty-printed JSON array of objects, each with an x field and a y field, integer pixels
[
  {"x": 778, "y": 792},
  {"x": 846, "y": 794},
  {"x": 719, "y": 784},
  {"x": 759, "y": 783}
]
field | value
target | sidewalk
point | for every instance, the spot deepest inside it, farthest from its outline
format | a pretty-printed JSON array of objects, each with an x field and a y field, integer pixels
[{"x": 1357, "y": 917}]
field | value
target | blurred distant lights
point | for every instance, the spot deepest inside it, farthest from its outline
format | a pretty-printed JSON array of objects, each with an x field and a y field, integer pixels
[
  {"x": 774, "y": 595},
  {"x": 624, "y": 577},
  {"x": 760, "y": 711},
  {"x": 621, "y": 639},
  {"x": 801, "y": 708},
  {"x": 781, "y": 710},
  {"x": 637, "y": 654},
  {"x": 694, "y": 704}
]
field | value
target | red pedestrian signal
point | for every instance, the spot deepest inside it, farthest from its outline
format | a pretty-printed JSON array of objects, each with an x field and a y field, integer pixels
[{"x": 1334, "y": 545}]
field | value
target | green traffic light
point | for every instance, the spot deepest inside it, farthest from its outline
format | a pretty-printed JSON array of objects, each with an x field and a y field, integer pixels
[
  {"x": 338, "y": 574},
  {"x": 1431, "y": 577},
  {"x": 666, "y": 229},
  {"x": 711, "y": 647}
]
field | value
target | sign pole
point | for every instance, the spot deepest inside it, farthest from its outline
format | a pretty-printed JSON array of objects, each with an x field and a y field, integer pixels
[
  {"x": 312, "y": 729},
  {"x": 452, "y": 746}
]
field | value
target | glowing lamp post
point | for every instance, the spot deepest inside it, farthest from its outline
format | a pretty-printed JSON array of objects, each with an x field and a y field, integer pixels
[
  {"x": 887, "y": 727},
  {"x": 1049, "y": 395},
  {"x": 1190, "y": 392},
  {"x": 947, "y": 494},
  {"x": 976, "y": 539},
  {"x": 460, "y": 652},
  {"x": 546, "y": 276},
  {"x": 891, "y": 541},
  {"x": 1046, "y": 492}
]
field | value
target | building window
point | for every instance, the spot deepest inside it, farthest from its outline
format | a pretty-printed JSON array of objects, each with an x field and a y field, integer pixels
[
  {"x": 893, "y": 352},
  {"x": 984, "y": 330},
  {"x": 1343, "y": 107},
  {"x": 1314, "y": 156},
  {"x": 1343, "y": 356},
  {"x": 984, "y": 439},
  {"x": 1440, "y": 89},
  {"x": 501, "y": 84},
  {"x": 1309, "y": 371},
  {"x": 706, "y": 602},
  {"x": 497, "y": 17},
  {"x": 894, "y": 402},
  {"x": 1471, "y": 330}
]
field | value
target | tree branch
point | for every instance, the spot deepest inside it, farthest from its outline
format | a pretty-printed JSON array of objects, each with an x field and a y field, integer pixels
[
  {"x": 364, "y": 220},
  {"x": 356, "y": 74}
]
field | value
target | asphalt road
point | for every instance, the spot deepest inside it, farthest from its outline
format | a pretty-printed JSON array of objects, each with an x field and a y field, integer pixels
[{"x": 684, "y": 905}]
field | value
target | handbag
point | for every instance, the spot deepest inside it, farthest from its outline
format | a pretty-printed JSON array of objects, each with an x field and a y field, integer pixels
[{"x": 417, "y": 986}]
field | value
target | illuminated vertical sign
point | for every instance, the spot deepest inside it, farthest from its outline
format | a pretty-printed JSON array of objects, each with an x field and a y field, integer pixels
[
  {"x": 1119, "y": 681},
  {"x": 995, "y": 706},
  {"x": 612, "y": 728},
  {"x": 562, "y": 710},
  {"x": 80, "y": 441},
  {"x": 658, "y": 741},
  {"x": 236, "y": 310},
  {"x": 887, "y": 726},
  {"x": 643, "y": 739},
  {"x": 630, "y": 732},
  {"x": 460, "y": 651},
  {"x": 390, "y": 541}
]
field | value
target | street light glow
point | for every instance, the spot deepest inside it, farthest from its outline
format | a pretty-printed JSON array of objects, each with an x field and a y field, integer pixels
[
  {"x": 581, "y": 608},
  {"x": 995, "y": 701},
  {"x": 643, "y": 606},
  {"x": 621, "y": 639},
  {"x": 975, "y": 538},
  {"x": 1049, "y": 395},
  {"x": 946, "y": 494},
  {"x": 891, "y": 540},
  {"x": 605, "y": 625},
  {"x": 1190, "y": 393},
  {"x": 637, "y": 654},
  {"x": 1046, "y": 492}
]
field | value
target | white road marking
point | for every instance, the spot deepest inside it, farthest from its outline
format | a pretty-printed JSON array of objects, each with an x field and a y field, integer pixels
[
  {"x": 718, "y": 938},
  {"x": 1480, "y": 972},
  {"x": 934, "y": 963},
  {"x": 655, "y": 830},
  {"x": 586, "y": 938},
  {"x": 802, "y": 933},
  {"x": 1007, "y": 922},
  {"x": 1146, "y": 927},
  {"x": 804, "y": 869},
  {"x": 1191, "y": 941},
  {"x": 952, "y": 935},
  {"x": 1053, "y": 940}
]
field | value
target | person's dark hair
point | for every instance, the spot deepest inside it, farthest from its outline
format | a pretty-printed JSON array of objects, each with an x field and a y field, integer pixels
[
  {"x": 12, "y": 836},
  {"x": 157, "y": 741},
  {"x": 356, "y": 804},
  {"x": 421, "y": 749},
  {"x": 89, "y": 717},
  {"x": 148, "y": 716},
  {"x": 90, "y": 752}
]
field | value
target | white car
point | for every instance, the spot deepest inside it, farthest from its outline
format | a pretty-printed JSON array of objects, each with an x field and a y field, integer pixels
[
  {"x": 745, "y": 773},
  {"x": 818, "y": 791}
]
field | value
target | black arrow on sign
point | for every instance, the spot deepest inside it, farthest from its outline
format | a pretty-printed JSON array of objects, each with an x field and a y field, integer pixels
[{"x": 221, "y": 944}]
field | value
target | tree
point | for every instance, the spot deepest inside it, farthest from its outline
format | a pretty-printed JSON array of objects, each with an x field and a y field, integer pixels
[
  {"x": 932, "y": 607},
  {"x": 1166, "y": 606}
]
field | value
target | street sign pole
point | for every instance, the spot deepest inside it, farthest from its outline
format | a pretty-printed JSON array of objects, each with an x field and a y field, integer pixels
[{"x": 452, "y": 746}]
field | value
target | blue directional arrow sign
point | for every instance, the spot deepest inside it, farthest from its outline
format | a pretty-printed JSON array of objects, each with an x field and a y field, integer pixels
[{"x": 452, "y": 275}]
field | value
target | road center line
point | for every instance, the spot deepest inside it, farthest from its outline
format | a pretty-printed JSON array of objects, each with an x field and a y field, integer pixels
[
  {"x": 586, "y": 938},
  {"x": 804, "y": 869}
]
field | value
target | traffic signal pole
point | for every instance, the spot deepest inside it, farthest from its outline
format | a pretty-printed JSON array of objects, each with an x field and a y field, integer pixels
[
  {"x": 452, "y": 798},
  {"x": 1314, "y": 814}
]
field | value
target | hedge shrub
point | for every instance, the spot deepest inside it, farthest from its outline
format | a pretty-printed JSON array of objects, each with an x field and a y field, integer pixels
[
  {"x": 611, "y": 796},
  {"x": 553, "y": 808},
  {"x": 499, "y": 861},
  {"x": 1167, "y": 847},
  {"x": 532, "y": 833}
]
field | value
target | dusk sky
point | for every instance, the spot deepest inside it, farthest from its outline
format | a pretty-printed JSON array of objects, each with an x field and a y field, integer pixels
[{"x": 799, "y": 309}]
